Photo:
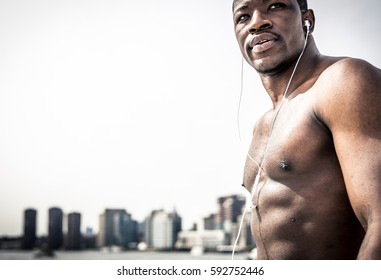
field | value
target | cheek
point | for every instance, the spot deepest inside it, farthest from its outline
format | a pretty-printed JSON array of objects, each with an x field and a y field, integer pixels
[
  {"x": 240, "y": 36},
  {"x": 297, "y": 35},
  {"x": 240, "y": 30}
]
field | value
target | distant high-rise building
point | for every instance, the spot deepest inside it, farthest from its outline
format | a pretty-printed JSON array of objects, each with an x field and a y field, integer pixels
[
  {"x": 116, "y": 227},
  {"x": 89, "y": 239},
  {"x": 55, "y": 238},
  {"x": 102, "y": 231},
  {"x": 210, "y": 222},
  {"x": 177, "y": 226},
  {"x": 229, "y": 208},
  {"x": 246, "y": 240},
  {"x": 162, "y": 229},
  {"x": 74, "y": 237},
  {"x": 29, "y": 238},
  {"x": 129, "y": 231},
  {"x": 141, "y": 231}
]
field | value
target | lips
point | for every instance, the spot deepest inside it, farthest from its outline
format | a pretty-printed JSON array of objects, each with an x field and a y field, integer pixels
[{"x": 262, "y": 42}]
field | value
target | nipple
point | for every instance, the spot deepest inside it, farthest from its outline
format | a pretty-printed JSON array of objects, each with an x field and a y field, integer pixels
[{"x": 285, "y": 165}]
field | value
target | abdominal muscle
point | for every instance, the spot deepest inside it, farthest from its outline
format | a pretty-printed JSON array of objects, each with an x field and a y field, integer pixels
[{"x": 304, "y": 222}]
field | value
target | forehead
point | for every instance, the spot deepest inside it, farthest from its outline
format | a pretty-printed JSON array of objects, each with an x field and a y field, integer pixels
[
  {"x": 243, "y": 3},
  {"x": 247, "y": 2}
]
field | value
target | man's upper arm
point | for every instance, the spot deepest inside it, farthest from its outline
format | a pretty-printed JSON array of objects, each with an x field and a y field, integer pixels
[{"x": 350, "y": 105}]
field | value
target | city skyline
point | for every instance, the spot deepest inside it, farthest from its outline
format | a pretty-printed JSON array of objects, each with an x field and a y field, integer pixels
[
  {"x": 160, "y": 230},
  {"x": 133, "y": 104},
  {"x": 95, "y": 230}
]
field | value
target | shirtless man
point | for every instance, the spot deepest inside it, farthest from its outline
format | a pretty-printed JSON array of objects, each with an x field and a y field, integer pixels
[{"x": 318, "y": 150}]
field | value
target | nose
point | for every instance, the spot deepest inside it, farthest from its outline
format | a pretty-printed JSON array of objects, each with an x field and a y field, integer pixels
[{"x": 259, "y": 22}]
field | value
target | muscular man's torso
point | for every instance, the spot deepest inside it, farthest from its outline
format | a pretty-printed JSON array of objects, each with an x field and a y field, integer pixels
[{"x": 301, "y": 207}]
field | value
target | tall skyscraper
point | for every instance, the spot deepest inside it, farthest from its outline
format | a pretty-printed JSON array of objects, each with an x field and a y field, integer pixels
[
  {"x": 162, "y": 229},
  {"x": 29, "y": 238},
  {"x": 129, "y": 231},
  {"x": 229, "y": 208},
  {"x": 116, "y": 227},
  {"x": 89, "y": 239},
  {"x": 74, "y": 237},
  {"x": 55, "y": 238}
]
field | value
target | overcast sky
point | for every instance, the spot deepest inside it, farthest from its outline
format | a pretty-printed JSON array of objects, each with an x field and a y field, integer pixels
[{"x": 133, "y": 104}]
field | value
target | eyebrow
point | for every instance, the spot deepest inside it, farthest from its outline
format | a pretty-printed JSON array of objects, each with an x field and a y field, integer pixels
[
  {"x": 242, "y": 7},
  {"x": 245, "y": 5}
]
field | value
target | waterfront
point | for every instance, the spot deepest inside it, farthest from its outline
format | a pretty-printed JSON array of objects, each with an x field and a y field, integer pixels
[{"x": 123, "y": 255}]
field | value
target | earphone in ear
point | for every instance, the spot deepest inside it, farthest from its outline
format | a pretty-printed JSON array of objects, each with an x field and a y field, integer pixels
[{"x": 307, "y": 24}]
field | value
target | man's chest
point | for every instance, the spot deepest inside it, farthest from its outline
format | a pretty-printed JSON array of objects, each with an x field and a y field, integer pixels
[{"x": 293, "y": 144}]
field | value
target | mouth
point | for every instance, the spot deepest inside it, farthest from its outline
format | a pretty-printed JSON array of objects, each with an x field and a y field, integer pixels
[{"x": 262, "y": 42}]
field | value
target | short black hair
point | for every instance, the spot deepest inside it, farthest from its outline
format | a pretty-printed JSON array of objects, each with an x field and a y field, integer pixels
[{"x": 303, "y": 5}]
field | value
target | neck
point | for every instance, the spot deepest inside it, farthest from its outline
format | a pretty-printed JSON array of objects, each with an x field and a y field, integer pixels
[{"x": 276, "y": 84}]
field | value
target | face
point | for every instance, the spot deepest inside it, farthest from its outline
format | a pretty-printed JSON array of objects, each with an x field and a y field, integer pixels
[{"x": 269, "y": 33}]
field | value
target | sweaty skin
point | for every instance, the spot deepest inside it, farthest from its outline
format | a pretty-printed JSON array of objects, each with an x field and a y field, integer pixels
[{"x": 319, "y": 194}]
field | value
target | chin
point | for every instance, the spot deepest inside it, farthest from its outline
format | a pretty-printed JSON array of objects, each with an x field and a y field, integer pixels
[
  {"x": 271, "y": 66},
  {"x": 270, "y": 70}
]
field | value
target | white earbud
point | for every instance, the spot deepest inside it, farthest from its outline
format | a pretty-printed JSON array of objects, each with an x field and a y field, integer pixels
[{"x": 307, "y": 24}]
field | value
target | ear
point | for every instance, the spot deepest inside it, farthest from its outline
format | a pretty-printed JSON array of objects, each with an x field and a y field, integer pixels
[{"x": 310, "y": 16}]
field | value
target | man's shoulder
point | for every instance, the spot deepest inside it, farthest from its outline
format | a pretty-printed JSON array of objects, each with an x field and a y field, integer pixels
[
  {"x": 347, "y": 78},
  {"x": 347, "y": 68},
  {"x": 346, "y": 85}
]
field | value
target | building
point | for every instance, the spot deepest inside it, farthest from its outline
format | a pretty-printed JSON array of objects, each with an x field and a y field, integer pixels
[
  {"x": 210, "y": 222},
  {"x": 229, "y": 208},
  {"x": 129, "y": 231},
  {"x": 74, "y": 237},
  {"x": 89, "y": 239},
  {"x": 162, "y": 229},
  {"x": 246, "y": 240},
  {"x": 29, "y": 237},
  {"x": 108, "y": 230},
  {"x": 55, "y": 231},
  {"x": 117, "y": 228},
  {"x": 10, "y": 243},
  {"x": 228, "y": 219}
]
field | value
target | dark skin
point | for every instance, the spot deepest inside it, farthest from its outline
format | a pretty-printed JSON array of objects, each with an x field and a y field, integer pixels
[{"x": 319, "y": 192}]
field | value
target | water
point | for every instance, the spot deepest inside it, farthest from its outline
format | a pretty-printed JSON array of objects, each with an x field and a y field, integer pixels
[{"x": 128, "y": 255}]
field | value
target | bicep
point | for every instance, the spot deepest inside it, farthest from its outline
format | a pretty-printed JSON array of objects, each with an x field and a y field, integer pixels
[{"x": 360, "y": 162}]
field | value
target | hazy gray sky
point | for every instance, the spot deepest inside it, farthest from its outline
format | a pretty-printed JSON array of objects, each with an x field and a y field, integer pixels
[{"x": 133, "y": 104}]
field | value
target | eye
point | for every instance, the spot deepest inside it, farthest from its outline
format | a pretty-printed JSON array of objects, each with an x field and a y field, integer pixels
[
  {"x": 242, "y": 18},
  {"x": 276, "y": 6}
]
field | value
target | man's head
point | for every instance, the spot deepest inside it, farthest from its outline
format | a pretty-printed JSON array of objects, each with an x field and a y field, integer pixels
[{"x": 271, "y": 33}]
